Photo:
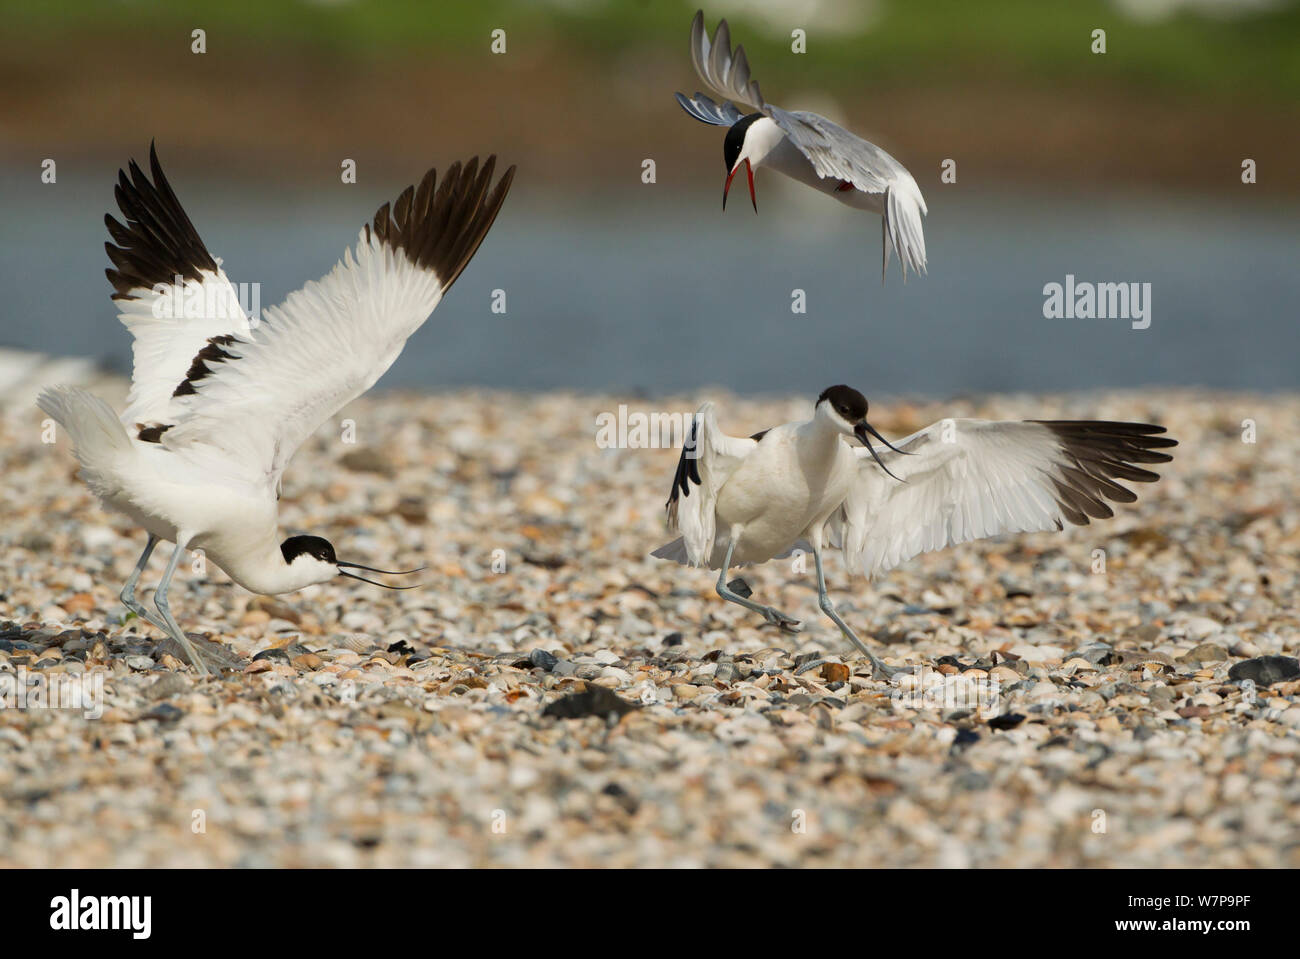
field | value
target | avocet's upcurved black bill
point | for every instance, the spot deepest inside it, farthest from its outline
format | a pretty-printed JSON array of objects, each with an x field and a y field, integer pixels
[
  {"x": 861, "y": 431},
  {"x": 749, "y": 171},
  {"x": 344, "y": 567},
  {"x": 386, "y": 572}
]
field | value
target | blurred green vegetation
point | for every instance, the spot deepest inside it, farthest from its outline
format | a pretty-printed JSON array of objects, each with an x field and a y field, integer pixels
[{"x": 1254, "y": 55}]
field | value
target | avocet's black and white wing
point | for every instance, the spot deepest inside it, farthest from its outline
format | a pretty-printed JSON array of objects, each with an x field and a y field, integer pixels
[
  {"x": 833, "y": 151},
  {"x": 708, "y": 459},
  {"x": 171, "y": 320},
  {"x": 970, "y": 479},
  {"x": 327, "y": 343}
]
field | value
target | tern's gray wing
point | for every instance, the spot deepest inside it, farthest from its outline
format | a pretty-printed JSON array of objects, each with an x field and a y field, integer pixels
[
  {"x": 835, "y": 152},
  {"x": 724, "y": 72},
  {"x": 706, "y": 111}
]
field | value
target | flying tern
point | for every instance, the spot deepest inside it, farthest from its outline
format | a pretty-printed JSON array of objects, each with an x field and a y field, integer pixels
[{"x": 804, "y": 146}]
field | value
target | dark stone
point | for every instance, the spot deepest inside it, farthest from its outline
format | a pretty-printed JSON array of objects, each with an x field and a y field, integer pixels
[
  {"x": 542, "y": 659},
  {"x": 592, "y": 701},
  {"x": 673, "y": 639},
  {"x": 625, "y": 799},
  {"x": 740, "y": 588},
  {"x": 19, "y": 646},
  {"x": 954, "y": 661},
  {"x": 1266, "y": 670},
  {"x": 163, "y": 713},
  {"x": 1006, "y": 721}
]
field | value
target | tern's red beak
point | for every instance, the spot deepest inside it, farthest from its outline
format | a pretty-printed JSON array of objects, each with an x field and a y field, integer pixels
[{"x": 749, "y": 171}]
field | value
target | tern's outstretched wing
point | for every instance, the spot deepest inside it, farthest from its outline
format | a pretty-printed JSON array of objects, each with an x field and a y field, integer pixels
[
  {"x": 835, "y": 152},
  {"x": 271, "y": 388},
  {"x": 706, "y": 111},
  {"x": 708, "y": 459},
  {"x": 969, "y": 479},
  {"x": 171, "y": 320},
  {"x": 724, "y": 72}
]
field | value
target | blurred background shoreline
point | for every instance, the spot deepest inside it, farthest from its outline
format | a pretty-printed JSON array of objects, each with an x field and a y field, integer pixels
[
  {"x": 584, "y": 89},
  {"x": 1118, "y": 167}
]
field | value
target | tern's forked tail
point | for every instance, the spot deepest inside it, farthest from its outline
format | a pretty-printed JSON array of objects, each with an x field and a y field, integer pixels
[{"x": 902, "y": 230}]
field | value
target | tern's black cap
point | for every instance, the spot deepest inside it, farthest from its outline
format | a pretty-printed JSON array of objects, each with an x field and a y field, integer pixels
[{"x": 736, "y": 139}]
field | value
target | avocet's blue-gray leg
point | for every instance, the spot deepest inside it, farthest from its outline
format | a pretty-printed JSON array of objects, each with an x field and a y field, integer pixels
[
  {"x": 879, "y": 668},
  {"x": 165, "y": 610},
  {"x": 772, "y": 615},
  {"x": 128, "y": 591}
]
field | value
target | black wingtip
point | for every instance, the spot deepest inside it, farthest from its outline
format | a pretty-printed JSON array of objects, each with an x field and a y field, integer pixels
[
  {"x": 157, "y": 241},
  {"x": 440, "y": 225}
]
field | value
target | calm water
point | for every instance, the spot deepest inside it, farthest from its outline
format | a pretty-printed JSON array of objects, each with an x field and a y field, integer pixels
[{"x": 641, "y": 290}]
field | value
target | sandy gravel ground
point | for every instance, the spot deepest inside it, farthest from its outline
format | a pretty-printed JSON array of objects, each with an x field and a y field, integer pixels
[{"x": 1065, "y": 716}]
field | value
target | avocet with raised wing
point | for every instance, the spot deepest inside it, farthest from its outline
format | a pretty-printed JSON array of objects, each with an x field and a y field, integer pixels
[
  {"x": 748, "y": 500},
  {"x": 804, "y": 146},
  {"x": 219, "y": 402}
]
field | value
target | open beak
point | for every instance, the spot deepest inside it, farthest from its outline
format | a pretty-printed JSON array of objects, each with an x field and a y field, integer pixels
[
  {"x": 344, "y": 567},
  {"x": 861, "y": 431},
  {"x": 749, "y": 172}
]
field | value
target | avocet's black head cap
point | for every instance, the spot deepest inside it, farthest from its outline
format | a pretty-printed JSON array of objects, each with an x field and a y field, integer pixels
[
  {"x": 314, "y": 546},
  {"x": 735, "y": 140},
  {"x": 846, "y": 401}
]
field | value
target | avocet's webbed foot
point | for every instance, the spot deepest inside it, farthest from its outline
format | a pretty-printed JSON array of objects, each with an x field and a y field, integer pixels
[
  {"x": 775, "y": 617},
  {"x": 214, "y": 655}
]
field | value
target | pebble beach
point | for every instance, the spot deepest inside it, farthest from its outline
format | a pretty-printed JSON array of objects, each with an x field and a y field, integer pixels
[{"x": 1124, "y": 694}]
